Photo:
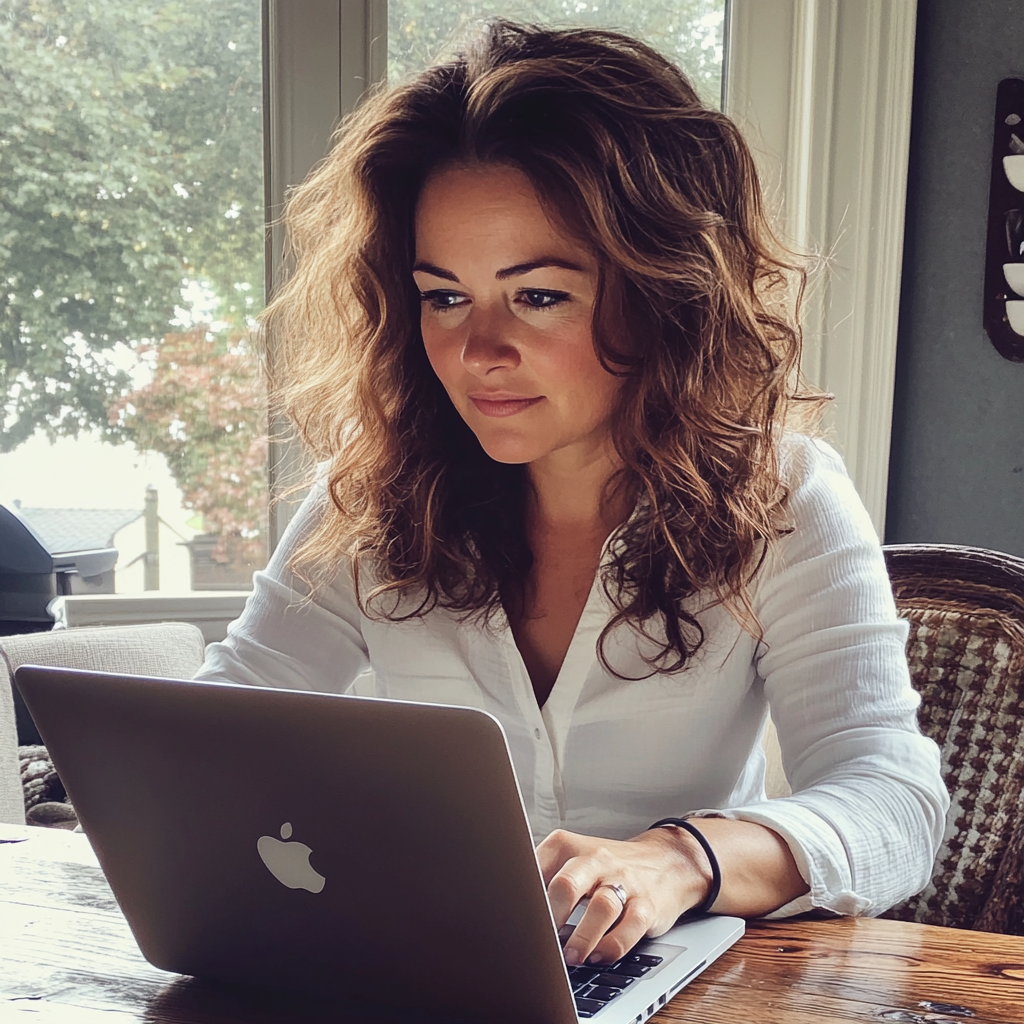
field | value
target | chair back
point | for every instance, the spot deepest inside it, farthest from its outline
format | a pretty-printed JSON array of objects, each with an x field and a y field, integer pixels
[
  {"x": 965, "y": 607},
  {"x": 172, "y": 650}
]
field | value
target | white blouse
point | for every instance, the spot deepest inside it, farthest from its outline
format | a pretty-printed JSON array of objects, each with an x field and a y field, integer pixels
[{"x": 608, "y": 757}]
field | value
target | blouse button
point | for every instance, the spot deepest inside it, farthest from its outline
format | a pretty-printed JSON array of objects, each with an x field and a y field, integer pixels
[{"x": 536, "y": 734}]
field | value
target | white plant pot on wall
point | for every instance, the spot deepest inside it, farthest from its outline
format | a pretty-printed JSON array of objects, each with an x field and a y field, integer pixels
[
  {"x": 1003, "y": 289},
  {"x": 1015, "y": 314},
  {"x": 1014, "y": 274},
  {"x": 1014, "y": 168}
]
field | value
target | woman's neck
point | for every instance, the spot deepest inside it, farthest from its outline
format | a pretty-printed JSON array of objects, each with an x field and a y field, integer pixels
[
  {"x": 571, "y": 513},
  {"x": 571, "y": 492}
]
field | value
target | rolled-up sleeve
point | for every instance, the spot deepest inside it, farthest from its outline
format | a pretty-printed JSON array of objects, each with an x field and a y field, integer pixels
[
  {"x": 868, "y": 807},
  {"x": 285, "y": 639}
]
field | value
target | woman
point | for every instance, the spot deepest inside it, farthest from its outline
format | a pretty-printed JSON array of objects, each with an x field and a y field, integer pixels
[{"x": 539, "y": 337}]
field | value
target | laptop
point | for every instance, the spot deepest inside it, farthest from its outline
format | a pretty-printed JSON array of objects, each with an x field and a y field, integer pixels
[{"x": 377, "y": 851}]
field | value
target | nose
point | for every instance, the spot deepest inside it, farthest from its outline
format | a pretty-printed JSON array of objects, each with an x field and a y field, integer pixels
[{"x": 489, "y": 343}]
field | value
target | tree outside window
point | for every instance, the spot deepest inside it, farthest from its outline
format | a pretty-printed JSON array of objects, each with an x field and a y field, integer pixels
[
  {"x": 132, "y": 221},
  {"x": 131, "y": 240}
]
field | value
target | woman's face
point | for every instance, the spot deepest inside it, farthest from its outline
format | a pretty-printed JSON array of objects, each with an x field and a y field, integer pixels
[{"x": 507, "y": 311}]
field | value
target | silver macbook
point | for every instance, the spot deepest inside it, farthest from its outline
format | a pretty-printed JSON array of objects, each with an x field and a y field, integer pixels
[{"x": 377, "y": 851}]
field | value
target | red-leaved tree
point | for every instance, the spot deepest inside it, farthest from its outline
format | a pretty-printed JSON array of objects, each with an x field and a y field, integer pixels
[{"x": 205, "y": 410}]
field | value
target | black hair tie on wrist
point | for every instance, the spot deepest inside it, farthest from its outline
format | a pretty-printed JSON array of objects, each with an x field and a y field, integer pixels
[{"x": 716, "y": 872}]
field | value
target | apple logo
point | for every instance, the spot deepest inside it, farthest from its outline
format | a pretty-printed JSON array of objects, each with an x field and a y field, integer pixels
[{"x": 289, "y": 862}]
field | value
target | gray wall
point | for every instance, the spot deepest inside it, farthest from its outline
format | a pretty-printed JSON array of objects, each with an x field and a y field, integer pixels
[{"x": 957, "y": 465}]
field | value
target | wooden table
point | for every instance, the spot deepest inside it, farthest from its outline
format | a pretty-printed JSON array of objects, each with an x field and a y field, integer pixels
[{"x": 67, "y": 957}]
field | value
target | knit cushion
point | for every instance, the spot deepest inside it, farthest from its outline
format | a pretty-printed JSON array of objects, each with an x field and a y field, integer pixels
[
  {"x": 968, "y": 666},
  {"x": 38, "y": 777},
  {"x": 46, "y": 801}
]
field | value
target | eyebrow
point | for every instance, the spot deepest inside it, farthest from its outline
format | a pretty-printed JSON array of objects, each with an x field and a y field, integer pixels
[{"x": 514, "y": 271}]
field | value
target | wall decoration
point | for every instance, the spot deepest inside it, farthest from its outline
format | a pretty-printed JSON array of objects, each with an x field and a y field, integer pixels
[{"x": 1004, "y": 250}]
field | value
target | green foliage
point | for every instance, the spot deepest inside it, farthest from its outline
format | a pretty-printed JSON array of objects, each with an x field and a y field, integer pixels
[
  {"x": 689, "y": 32},
  {"x": 131, "y": 157}
]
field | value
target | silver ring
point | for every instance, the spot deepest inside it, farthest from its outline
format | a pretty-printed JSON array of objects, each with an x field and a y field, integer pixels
[{"x": 619, "y": 891}]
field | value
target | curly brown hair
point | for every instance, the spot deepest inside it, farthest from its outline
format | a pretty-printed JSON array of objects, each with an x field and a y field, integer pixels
[{"x": 664, "y": 192}]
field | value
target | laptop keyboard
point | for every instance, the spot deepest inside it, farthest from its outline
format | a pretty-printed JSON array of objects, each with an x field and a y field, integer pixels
[{"x": 594, "y": 987}]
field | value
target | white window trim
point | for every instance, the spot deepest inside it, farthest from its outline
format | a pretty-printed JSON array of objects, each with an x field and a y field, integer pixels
[
  {"x": 211, "y": 611},
  {"x": 822, "y": 90},
  {"x": 320, "y": 56}
]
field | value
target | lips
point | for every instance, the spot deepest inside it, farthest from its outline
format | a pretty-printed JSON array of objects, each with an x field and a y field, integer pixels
[{"x": 503, "y": 404}]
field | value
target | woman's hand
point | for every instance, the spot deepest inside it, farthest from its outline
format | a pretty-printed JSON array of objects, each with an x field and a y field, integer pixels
[{"x": 663, "y": 873}]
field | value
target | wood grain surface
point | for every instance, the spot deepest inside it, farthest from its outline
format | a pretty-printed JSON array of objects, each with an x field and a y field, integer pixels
[{"x": 67, "y": 957}]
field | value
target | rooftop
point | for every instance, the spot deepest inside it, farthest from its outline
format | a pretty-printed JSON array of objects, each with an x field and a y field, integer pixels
[{"x": 78, "y": 529}]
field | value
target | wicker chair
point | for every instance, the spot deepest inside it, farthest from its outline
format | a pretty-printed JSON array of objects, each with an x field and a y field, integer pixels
[{"x": 966, "y": 652}]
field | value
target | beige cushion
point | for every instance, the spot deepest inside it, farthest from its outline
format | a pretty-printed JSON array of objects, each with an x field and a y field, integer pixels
[
  {"x": 12, "y": 804},
  {"x": 173, "y": 650}
]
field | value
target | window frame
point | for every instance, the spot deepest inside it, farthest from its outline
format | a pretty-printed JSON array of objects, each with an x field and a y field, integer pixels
[
  {"x": 822, "y": 91},
  {"x": 319, "y": 57}
]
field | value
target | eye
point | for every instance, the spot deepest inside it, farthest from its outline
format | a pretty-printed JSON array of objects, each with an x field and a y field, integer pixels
[
  {"x": 539, "y": 298},
  {"x": 440, "y": 299}
]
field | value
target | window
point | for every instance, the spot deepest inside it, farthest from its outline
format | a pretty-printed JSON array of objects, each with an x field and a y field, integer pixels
[
  {"x": 319, "y": 43},
  {"x": 823, "y": 89},
  {"x": 131, "y": 241}
]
